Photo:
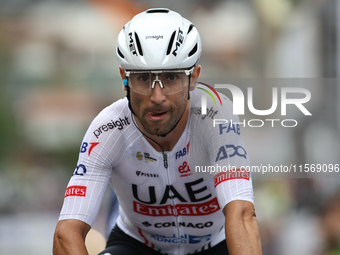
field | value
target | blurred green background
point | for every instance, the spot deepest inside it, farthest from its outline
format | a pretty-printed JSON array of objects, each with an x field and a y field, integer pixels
[{"x": 58, "y": 69}]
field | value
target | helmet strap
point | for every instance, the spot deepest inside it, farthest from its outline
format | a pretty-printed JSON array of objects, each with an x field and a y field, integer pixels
[
  {"x": 126, "y": 81},
  {"x": 189, "y": 86}
]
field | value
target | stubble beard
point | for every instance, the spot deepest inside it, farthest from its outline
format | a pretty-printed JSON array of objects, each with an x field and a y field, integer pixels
[{"x": 162, "y": 128}]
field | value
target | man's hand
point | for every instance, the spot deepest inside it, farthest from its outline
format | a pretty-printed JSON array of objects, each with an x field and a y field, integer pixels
[
  {"x": 241, "y": 228},
  {"x": 69, "y": 238}
]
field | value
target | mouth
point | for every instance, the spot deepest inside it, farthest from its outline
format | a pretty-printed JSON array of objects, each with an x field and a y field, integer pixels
[{"x": 156, "y": 115}]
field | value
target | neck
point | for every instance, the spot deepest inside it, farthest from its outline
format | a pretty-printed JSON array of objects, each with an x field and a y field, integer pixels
[{"x": 169, "y": 141}]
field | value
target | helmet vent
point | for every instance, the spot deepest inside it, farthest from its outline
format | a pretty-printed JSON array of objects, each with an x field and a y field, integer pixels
[
  {"x": 171, "y": 42},
  {"x": 119, "y": 53},
  {"x": 193, "y": 51},
  {"x": 157, "y": 10},
  {"x": 190, "y": 28},
  {"x": 138, "y": 45}
]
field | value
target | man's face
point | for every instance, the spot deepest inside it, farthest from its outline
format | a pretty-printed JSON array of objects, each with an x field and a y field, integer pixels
[{"x": 158, "y": 113}]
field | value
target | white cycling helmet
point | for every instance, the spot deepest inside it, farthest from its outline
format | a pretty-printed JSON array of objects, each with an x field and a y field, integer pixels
[{"x": 158, "y": 39}]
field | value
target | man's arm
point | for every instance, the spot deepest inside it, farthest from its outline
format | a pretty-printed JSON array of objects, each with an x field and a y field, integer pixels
[
  {"x": 69, "y": 238},
  {"x": 241, "y": 228}
]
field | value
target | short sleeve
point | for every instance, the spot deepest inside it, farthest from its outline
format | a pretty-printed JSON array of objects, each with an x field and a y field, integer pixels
[{"x": 218, "y": 150}]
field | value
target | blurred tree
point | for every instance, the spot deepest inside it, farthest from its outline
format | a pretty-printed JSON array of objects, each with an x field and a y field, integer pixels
[{"x": 7, "y": 124}]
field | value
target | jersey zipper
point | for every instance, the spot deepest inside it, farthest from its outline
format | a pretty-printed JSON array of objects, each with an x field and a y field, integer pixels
[{"x": 165, "y": 161}]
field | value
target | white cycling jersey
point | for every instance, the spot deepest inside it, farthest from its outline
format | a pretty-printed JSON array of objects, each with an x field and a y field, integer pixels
[{"x": 163, "y": 201}]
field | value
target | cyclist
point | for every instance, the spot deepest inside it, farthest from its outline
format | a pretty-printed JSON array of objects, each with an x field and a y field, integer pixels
[{"x": 151, "y": 145}]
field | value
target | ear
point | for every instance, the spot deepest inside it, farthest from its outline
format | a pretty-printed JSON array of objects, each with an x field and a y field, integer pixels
[
  {"x": 194, "y": 77},
  {"x": 122, "y": 75}
]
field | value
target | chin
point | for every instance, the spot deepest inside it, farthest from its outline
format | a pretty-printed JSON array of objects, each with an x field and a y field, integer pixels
[{"x": 157, "y": 132}]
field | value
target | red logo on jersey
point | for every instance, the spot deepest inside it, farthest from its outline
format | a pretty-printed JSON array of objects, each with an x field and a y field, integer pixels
[
  {"x": 92, "y": 146},
  {"x": 231, "y": 175},
  {"x": 76, "y": 191},
  {"x": 179, "y": 210},
  {"x": 84, "y": 146},
  {"x": 184, "y": 169}
]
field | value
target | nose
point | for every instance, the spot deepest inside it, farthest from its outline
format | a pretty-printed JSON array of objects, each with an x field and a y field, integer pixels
[{"x": 157, "y": 94}]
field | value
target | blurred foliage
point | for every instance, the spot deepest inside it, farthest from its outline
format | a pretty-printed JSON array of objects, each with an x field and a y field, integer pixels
[{"x": 8, "y": 139}]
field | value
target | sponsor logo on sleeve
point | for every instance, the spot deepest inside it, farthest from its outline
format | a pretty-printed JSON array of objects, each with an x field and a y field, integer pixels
[
  {"x": 231, "y": 175},
  {"x": 208, "y": 112},
  {"x": 225, "y": 129},
  {"x": 118, "y": 123},
  {"x": 229, "y": 151},
  {"x": 76, "y": 191},
  {"x": 80, "y": 170},
  {"x": 84, "y": 147}
]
